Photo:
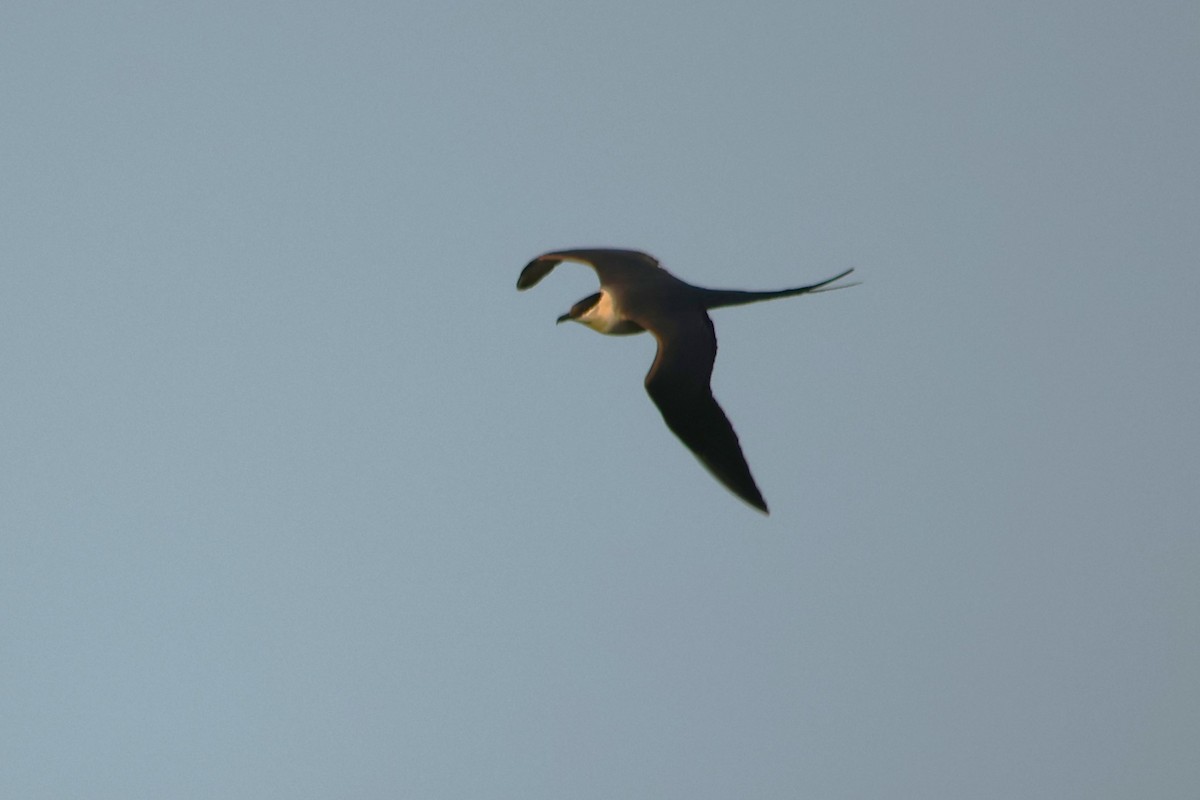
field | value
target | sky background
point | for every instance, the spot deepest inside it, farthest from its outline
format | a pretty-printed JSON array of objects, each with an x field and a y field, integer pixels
[{"x": 300, "y": 498}]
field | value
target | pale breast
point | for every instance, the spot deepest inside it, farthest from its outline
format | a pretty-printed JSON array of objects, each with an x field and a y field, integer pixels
[{"x": 605, "y": 317}]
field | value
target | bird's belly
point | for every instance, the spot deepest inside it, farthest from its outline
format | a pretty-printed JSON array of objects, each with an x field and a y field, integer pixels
[{"x": 624, "y": 328}]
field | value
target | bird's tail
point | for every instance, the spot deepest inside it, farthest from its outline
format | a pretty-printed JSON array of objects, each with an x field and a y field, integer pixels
[{"x": 719, "y": 298}]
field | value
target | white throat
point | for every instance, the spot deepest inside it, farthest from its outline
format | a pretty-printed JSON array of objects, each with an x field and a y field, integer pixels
[{"x": 603, "y": 317}]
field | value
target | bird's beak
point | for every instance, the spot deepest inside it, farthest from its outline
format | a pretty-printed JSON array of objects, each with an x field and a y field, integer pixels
[{"x": 563, "y": 318}]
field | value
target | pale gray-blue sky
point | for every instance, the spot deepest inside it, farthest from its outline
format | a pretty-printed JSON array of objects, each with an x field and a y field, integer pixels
[{"x": 300, "y": 498}]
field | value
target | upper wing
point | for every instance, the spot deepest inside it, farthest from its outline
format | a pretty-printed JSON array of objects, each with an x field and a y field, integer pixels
[
  {"x": 678, "y": 383},
  {"x": 612, "y": 266}
]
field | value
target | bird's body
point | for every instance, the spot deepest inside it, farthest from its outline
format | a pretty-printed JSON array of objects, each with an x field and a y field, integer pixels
[{"x": 636, "y": 295}]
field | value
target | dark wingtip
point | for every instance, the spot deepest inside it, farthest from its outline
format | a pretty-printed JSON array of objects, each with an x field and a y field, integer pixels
[
  {"x": 536, "y": 270},
  {"x": 744, "y": 488},
  {"x": 758, "y": 503},
  {"x": 737, "y": 477}
]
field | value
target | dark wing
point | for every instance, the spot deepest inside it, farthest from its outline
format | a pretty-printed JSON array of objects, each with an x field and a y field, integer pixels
[
  {"x": 611, "y": 266},
  {"x": 678, "y": 383}
]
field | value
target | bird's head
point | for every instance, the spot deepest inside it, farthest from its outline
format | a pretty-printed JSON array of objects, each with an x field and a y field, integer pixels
[
  {"x": 579, "y": 311},
  {"x": 598, "y": 312}
]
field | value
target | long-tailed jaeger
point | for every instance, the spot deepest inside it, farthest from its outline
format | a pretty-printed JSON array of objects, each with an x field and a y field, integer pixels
[{"x": 636, "y": 295}]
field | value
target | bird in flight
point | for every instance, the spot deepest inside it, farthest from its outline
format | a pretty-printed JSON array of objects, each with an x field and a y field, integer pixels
[{"x": 636, "y": 295}]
